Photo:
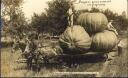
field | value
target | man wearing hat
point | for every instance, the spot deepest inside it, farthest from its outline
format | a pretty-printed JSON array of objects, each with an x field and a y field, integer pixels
[
  {"x": 110, "y": 27},
  {"x": 111, "y": 55}
]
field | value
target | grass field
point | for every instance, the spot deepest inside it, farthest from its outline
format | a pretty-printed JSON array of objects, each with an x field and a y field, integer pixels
[{"x": 117, "y": 67}]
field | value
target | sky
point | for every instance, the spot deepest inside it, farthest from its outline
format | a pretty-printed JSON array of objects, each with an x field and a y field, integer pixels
[{"x": 38, "y": 6}]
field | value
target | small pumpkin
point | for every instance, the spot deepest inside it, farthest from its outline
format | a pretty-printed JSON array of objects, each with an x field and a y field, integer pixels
[
  {"x": 104, "y": 41},
  {"x": 75, "y": 40},
  {"x": 93, "y": 22}
]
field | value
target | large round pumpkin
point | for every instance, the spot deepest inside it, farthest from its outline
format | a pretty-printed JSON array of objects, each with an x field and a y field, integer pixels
[
  {"x": 75, "y": 40},
  {"x": 93, "y": 22},
  {"x": 104, "y": 41}
]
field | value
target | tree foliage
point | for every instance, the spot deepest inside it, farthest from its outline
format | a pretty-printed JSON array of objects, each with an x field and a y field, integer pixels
[
  {"x": 13, "y": 18},
  {"x": 55, "y": 20},
  {"x": 39, "y": 22},
  {"x": 57, "y": 15},
  {"x": 10, "y": 7}
]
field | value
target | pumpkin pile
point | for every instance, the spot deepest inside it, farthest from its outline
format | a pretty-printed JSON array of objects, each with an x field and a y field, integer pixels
[{"x": 91, "y": 34}]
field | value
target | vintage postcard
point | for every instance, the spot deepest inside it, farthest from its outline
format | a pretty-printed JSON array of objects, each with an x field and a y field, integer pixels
[{"x": 64, "y": 38}]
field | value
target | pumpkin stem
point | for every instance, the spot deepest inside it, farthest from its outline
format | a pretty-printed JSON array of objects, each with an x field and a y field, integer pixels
[{"x": 72, "y": 45}]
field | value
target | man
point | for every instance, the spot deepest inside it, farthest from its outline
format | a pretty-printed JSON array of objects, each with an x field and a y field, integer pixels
[
  {"x": 110, "y": 27},
  {"x": 27, "y": 46},
  {"x": 70, "y": 12},
  {"x": 30, "y": 50},
  {"x": 111, "y": 55}
]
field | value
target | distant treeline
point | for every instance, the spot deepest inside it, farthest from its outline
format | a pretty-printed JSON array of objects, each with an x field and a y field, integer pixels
[{"x": 53, "y": 21}]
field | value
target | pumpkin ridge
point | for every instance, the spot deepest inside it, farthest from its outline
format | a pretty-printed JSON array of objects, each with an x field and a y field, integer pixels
[{"x": 80, "y": 40}]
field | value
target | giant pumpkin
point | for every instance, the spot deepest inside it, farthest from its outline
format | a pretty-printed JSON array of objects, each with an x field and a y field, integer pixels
[
  {"x": 75, "y": 40},
  {"x": 104, "y": 41},
  {"x": 93, "y": 22}
]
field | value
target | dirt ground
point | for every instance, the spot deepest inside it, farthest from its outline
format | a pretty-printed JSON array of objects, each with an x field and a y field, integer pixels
[{"x": 118, "y": 67}]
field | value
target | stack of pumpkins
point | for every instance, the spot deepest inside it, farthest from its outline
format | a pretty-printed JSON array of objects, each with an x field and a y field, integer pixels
[{"x": 91, "y": 34}]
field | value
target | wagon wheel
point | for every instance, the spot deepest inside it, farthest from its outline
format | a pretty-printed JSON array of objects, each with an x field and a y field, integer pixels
[
  {"x": 29, "y": 62},
  {"x": 37, "y": 62},
  {"x": 106, "y": 57},
  {"x": 36, "y": 65}
]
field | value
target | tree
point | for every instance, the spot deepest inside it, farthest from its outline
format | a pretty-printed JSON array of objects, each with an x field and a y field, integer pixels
[
  {"x": 57, "y": 15},
  {"x": 10, "y": 7},
  {"x": 110, "y": 15},
  {"x": 94, "y": 10},
  {"x": 124, "y": 14},
  {"x": 39, "y": 22},
  {"x": 14, "y": 20},
  {"x": 55, "y": 20}
]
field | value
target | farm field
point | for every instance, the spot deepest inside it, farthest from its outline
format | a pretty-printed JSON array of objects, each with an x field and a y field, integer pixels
[{"x": 118, "y": 67}]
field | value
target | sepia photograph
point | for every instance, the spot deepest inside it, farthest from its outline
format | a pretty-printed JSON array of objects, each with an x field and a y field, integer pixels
[{"x": 64, "y": 38}]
